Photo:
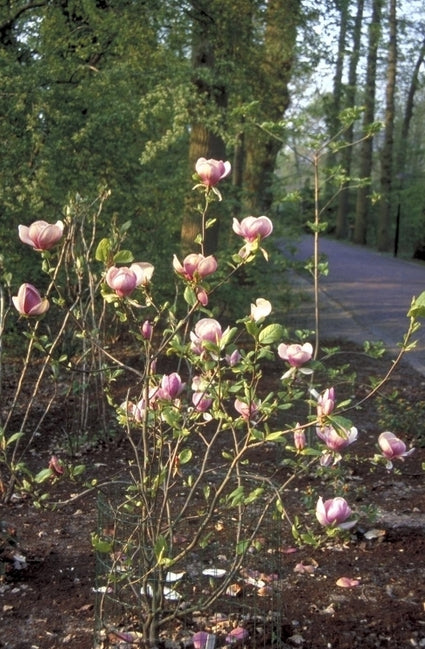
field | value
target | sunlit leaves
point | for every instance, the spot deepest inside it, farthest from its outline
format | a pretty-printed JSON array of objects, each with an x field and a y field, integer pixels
[{"x": 417, "y": 308}]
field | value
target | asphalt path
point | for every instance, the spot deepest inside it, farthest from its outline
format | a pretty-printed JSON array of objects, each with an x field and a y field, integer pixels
[{"x": 365, "y": 296}]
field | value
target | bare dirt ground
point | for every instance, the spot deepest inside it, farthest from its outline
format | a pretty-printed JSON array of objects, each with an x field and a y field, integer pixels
[{"x": 50, "y": 603}]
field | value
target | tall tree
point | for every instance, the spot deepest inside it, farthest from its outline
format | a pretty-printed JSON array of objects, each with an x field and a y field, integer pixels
[
  {"x": 350, "y": 101},
  {"x": 366, "y": 161},
  {"x": 251, "y": 67},
  {"x": 333, "y": 102},
  {"x": 408, "y": 114},
  {"x": 273, "y": 75},
  {"x": 384, "y": 218},
  {"x": 78, "y": 82},
  {"x": 210, "y": 103}
]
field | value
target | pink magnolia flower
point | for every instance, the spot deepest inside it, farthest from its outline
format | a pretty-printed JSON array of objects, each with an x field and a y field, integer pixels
[
  {"x": 299, "y": 438},
  {"x": 334, "y": 440},
  {"x": 201, "y": 296},
  {"x": 392, "y": 448},
  {"x": 124, "y": 280},
  {"x": 171, "y": 386},
  {"x": 40, "y": 234},
  {"x": 146, "y": 330},
  {"x": 138, "y": 410},
  {"x": 252, "y": 228},
  {"x": 29, "y": 302},
  {"x": 212, "y": 171},
  {"x": 238, "y": 635},
  {"x": 295, "y": 354},
  {"x": 200, "y": 639},
  {"x": 234, "y": 358},
  {"x": 206, "y": 330},
  {"x": 199, "y": 384},
  {"x": 326, "y": 403},
  {"x": 334, "y": 512},
  {"x": 247, "y": 411},
  {"x": 55, "y": 466},
  {"x": 201, "y": 402},
  {"x": 261, "y": 309},
  {"x": 195, "y": 266}
]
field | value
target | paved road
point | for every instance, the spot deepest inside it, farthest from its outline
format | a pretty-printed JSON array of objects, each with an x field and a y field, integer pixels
[{"x": 366, "y": 295}]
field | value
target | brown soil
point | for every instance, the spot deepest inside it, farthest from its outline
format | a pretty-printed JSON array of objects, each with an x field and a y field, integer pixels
[{"x": 50, "y": 603}]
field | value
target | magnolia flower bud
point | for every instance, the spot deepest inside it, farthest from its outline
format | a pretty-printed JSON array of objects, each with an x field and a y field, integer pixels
[
  {"x": 146, "y": 330},
  {"x": 299, "y": 438},
  {"x": 29, "y": 302}
]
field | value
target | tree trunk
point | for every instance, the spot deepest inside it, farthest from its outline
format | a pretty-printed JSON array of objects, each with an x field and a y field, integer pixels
[
  {"x": 366, "y": 153},
  {"x": 282, "y": 20},
  {"x": 347, "y": 153},
  {"x": 384, "y": 219},
  {"x": 408, "y": 114},
  {"x": 204, "y": 141},
  {"x": 333, "y": 107}
]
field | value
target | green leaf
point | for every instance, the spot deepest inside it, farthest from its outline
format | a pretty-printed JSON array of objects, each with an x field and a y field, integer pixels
[
  {"x": 125, "y": 227},
  {"x": 253, "y": 495},
  {"x": 226, "y": 455},
  {"x": 160, "y": 548},
  {"x": 228, "y": 335},
  {"x": 43, "y": 475},
  {"x": 236, "y": 497},
  {"x": 190, "y": 296},
  {"x": 207, "y": 492},
  {"x": 242, "y": 547},
  {"x": 251, "y": 327},
  {"x": 277, "y": 436},
  {"x": 185, "y": 456},
  {"x": 100, "y": 545},
  {"x": 78, "y": 470},
  {"x": 13, "y": 438},
  {"x": 271, "y": 334},
  {"x": 203, "y": 543},
  {"x": 123, "y": 257},
  {"x": 417, "y": 308},
  {"x": 103, "y": 250},
  {"x": 341, "y": 424},
  {"x": 317, "y": 227},
  {"x": 256, "y": 434}
]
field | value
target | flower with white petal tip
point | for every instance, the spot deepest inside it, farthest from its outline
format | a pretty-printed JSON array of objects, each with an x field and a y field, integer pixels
[{"x": 261, "y": 309}]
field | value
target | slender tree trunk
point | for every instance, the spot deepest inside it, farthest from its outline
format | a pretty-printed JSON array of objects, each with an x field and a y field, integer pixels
[
  {"x": 237, "y": 173},
  {"x": 334, "y": 106},
  {"x": 273, "y": 76},
  {"x": 366, "y": 153},
  {"x": 408, "y": 114},
  {"x": 384, "y": 220},
  {"x": 347, "y": 153},
  {"x": 204, "y": 141}
]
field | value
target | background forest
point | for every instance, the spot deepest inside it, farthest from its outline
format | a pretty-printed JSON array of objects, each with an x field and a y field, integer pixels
[{"x": 122, "y": 96}]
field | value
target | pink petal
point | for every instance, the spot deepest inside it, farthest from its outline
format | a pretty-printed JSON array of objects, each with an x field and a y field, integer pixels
[{"x": 347, "y": 582}]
